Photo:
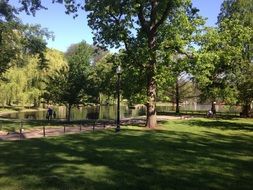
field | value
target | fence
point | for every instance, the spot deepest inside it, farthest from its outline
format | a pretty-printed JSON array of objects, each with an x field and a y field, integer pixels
[
  {"x": 19, "y": 131},
  {"x": 202, "y": 109}
]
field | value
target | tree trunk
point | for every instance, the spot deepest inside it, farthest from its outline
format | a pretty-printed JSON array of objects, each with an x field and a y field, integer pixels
[
  {"x": 246, "y": 109},
  {"x": 36, "y": 103},
  {"x": 68, "y": 112},
  {"x": 151, "y": 104},
  {"x": 177, "y": 97},
  {"x": 151, "y": 82},
  {"x": 150, "y": 27},
  {"x": 8, "y": 102}
]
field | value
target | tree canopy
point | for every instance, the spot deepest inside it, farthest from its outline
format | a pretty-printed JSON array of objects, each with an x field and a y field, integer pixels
[{"x": 138, "y": 23}]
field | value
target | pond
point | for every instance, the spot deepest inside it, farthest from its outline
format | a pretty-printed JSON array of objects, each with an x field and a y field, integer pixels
[
  {"x": 109, "y": 112},
  {"x": 104, "y": 112}
]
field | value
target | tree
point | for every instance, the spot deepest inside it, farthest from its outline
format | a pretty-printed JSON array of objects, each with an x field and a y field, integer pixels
[
  {"x": 20, "y": 84},
  {"x": 56, "y": 62},
  {"x": 213, "y": 67},
  {"x": 18, "y": 40},
  {"x": 241, "y": 9},
  {"x": 22, "y": 47},
  {"x": 69, "y": 84},
  {"x": 177, "y": 52},
  {"x": 236, "y": 19},
  {"x": 10, "y": 44},
  {"x": 9, "y": 12},
  {"x": 102, "y": 78},
  {"x": 132, "y": 20}
]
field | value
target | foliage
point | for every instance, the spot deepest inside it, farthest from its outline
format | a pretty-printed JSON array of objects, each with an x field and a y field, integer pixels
[
  {"x": 9, "y": 12},
  {"x": 19, "y": 84},
  {"x": 221, "y": 60},
  {"x": 69, "y": 84},
  {"x": 179, "y": 36},
  {"x": 102, "y": 78},
  {"x": 133, "y": 78},
  {"x": 240, "y": 11},
  {"x": 139, "y": 27},
  {"x": 26, "y": 84},
  {"x": 224, "y": 58},
  {"x": 18, "y": 40},
  {"x": 9, "y": 44},
  {"x": 135, "y": 23}
]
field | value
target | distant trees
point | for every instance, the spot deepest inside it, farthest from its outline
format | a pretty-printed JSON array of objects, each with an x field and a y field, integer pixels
[
  {"x": 9, "y": 44},
  {"x": 224, "y": 58},
  {"x": 80, "y": 79},
  {"x": 25, "y": 84},
  {"x": 236, "y": 19},
  {"x": 17, "y": 39},
  {"x": 22, "y": 60},
  {"x": 67, "y": 85}
]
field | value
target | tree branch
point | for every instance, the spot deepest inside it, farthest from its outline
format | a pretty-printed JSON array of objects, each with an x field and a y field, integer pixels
[
  {"x": 184, "y": 53},
  {"x": 164, "y": 15},
  {"x": 142, "y": 20}
]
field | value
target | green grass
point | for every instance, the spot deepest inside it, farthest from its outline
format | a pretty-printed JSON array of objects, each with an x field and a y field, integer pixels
[
  {"x": 184, "y": 154},
  {"x": 13, "y": 125}
]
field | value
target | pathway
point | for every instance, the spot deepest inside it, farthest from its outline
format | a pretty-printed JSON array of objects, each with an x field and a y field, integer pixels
[{"x": 49, "y": 131}]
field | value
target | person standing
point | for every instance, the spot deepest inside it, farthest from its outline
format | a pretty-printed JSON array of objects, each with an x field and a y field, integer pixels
[{"x": 49, "y": 113}]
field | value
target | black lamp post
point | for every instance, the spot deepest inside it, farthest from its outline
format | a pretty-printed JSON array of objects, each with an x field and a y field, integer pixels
[{"x": 118, "y": 71}]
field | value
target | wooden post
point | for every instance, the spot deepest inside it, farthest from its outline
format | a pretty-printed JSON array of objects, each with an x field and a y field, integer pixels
[
  {"x": 80, "y": 128},
  {"x": 44, "y": 131}
]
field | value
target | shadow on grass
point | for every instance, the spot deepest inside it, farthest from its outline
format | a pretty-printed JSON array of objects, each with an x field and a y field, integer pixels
[
  {"x": 223, "y": 124},
  {"x": 131, "y": 159}
]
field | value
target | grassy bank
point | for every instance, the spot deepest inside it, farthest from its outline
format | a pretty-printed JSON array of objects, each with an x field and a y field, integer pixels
[{"x": 189, "y": 154}]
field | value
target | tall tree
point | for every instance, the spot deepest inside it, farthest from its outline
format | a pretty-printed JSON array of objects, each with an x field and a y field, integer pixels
[
  {"x": 10, "y": 43},
  {"x": 178, "y": 38},
  {"x": 130, "y": 20},
  {"x": 18, "y": 40},
  {"x": 236, "y": 20},
  {"x": 241, "y": 9},
  {"x": 69, "y": 84}
]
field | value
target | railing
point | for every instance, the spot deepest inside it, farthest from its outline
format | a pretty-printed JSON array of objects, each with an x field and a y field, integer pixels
[{"x": 18, "y": 130}]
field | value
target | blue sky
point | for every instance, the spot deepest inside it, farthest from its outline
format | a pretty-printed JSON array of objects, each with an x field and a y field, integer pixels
[{"x": 68, "y": 30}]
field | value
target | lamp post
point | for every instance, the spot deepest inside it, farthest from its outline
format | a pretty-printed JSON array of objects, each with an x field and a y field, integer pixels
[{"x": 118, "y": 71}]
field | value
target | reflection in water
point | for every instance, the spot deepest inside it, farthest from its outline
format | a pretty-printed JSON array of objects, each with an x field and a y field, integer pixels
[
  {"x": 103, "y": 112},
  {"x": 200, "y": 107},
  {"x": 109, "y": 112}
]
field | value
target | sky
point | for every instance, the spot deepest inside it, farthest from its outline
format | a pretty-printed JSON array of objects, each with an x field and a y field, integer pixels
[{"x": 68, "y": 31}]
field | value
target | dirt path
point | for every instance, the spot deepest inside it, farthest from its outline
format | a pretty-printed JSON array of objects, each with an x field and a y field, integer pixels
[{"x": 49, "y": 131}]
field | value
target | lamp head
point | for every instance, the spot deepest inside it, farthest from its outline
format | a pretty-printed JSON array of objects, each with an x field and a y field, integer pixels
[{"x": 119, "y": 70}]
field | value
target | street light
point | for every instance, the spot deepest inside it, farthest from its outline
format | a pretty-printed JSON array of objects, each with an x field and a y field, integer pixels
[{"x": 118, "y": 71}]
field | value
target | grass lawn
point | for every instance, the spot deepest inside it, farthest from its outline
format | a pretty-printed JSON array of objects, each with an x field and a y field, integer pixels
[
  {"x": 183, "y": 154},
  {"x": 14, "y": 125}
]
